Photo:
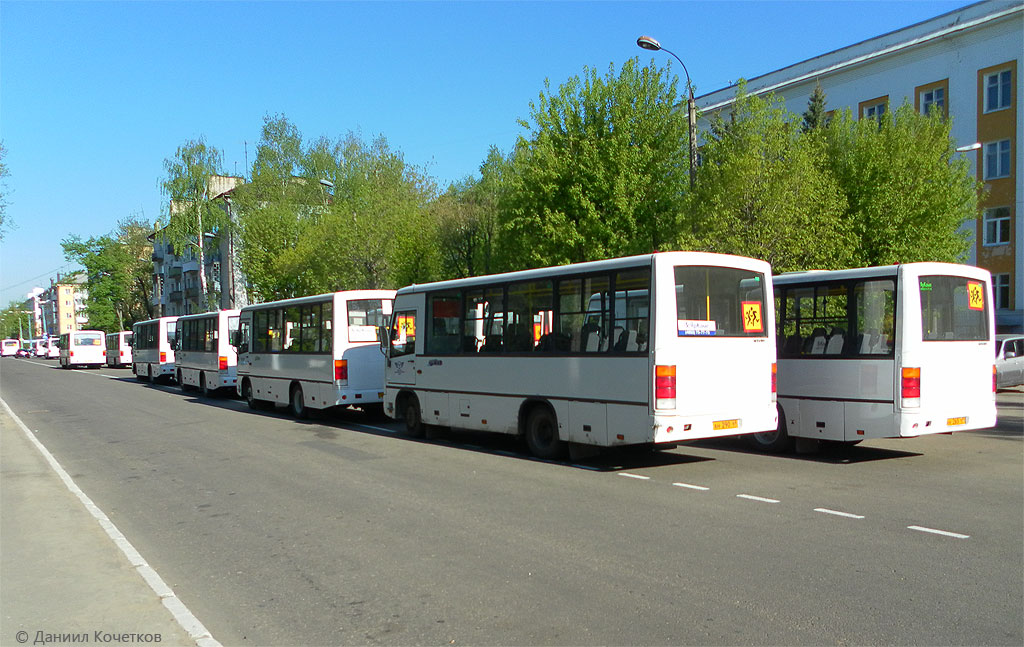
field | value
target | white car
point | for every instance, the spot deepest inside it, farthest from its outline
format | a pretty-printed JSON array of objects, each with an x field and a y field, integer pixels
[{"x": 1009, "y": 360}]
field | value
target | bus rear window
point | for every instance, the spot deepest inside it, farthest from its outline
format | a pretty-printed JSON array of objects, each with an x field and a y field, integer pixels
[
  {"x": 719, "y": 302},
  {"x": 88, "y": 340},
  {"x": 953, "y": 308}
]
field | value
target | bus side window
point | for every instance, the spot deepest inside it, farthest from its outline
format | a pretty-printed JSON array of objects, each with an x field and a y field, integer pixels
[
  {"x": 403, "y": 334},
  {"x": 242, "y": 337}
]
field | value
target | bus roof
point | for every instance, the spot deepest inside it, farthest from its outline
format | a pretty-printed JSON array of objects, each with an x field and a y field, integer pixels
[
  {"x": 348, "y": 295},
  {"x": 788, "y": 278},
  {"x": 688, "y": 258}
]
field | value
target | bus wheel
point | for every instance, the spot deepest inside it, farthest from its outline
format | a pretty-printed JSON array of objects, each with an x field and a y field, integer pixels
[
  {"x": 150, "y": 372},
  {"x": 542, "y": 434},
  {"x": 204, "y": 389},
  {"x": 181, "y": 383},
  {"x": 250, "y": 397},
  {"x": 775, "y": 441},
  {"x": 411, "y": 413},
  {"x": 296, "y": 403}
]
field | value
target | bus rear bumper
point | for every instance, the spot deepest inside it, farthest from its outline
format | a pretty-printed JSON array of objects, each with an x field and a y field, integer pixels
[
  {"x": 913, "y": 424},
  {"x": 675, "y": 428}
]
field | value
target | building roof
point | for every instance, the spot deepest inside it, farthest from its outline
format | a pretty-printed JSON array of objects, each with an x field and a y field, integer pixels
[{"x": 947, "y": 24}]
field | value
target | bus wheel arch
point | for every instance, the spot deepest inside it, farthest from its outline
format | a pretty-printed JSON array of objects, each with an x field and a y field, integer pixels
[
  {"x": 249, "y": 394},
  {"x": 539, "y": 425},
  {"x": 775, "y": 441},
  {"x": 408, "y": 405}
]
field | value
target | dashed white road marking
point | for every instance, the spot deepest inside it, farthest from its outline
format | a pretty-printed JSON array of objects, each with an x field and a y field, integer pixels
[
  {"x": 839, "y": 514},
  {"x": 635, "y": 476},
  {"x": 756, "y": 498},
  {"x": 191, "y": 624},
  {"x": 944, "y": 533},
  {"x": 692, "y": 487}
]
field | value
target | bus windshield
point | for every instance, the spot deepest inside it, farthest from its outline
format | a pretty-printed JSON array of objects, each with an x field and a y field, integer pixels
[
  {"x": 953, "y": 308},
  {"x": 719, "y": 302}
]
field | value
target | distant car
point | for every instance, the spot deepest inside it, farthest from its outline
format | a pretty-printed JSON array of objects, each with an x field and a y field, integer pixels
[
  {"x": 23, "y": 352},
  {"x": 1009, "y": 360}
]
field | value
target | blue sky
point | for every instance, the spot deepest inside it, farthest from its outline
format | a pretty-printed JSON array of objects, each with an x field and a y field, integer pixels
[{"x": 95, "y": 95}]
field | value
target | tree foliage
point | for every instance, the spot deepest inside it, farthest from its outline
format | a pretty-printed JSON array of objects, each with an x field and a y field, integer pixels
[
  {"x": 762, "y": 191},
  {"x": 191, "y": 213},
  {"x": 601, "y": 173},
  {"x": 366, "y": 227},
  {"x": 907, "y": 193},
  {"x": 119, "y": 274}
]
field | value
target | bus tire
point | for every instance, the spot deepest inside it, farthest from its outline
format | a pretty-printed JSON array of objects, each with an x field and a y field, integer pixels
[
  {"x": 204, "y": 389},
  {"x": 542, "y": 434},
  {"x": 776, "y": 441},
  {"x": 297, "y": 403},
  {"x": 150, "y": 373},
  {"x": 411, "y": 414},
  {"x": 181, "y": 383},
  {"x": 250, "y": 396}
]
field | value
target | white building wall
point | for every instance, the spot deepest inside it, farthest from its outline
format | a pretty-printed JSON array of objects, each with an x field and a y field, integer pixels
[{"x": 954, "y": 46}]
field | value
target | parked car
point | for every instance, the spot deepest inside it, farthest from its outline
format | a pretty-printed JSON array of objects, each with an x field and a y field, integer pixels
[
  {"x": 23, "y": 352},
  {"x": 1009, "y": 360}
]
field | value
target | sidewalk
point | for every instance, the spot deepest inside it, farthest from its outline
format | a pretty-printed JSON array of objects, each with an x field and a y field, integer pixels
[{"x": 63, "y": 579}]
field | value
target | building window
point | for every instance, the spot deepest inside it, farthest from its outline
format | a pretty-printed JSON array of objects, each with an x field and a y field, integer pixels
[
  {"x": 874, "y": 111},
  {"x": 997, "y": 159},
  {"x": 1001, "y": 290},
  {"x": 998, "y": 90},
  {"x": 933, "y": 97},
  {"x": 997, "y": 226}
]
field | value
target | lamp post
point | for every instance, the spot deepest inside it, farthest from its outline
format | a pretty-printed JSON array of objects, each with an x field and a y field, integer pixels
[{"x": 646, "y": 42}]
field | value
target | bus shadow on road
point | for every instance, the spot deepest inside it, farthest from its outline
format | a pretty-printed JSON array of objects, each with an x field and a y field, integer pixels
[{"x": 829, "y": 453}]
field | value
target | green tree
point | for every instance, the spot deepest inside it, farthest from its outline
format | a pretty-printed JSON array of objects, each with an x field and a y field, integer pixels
[
  {"x": 601, "y": 173},
  {"x": 907, "y": 191},
  {"x": 190, "y": 213},
  {"x": 814, "y": 117},
  {"x": 762, "y": 190},
  {"x": 15, "y": 322},
  {"x": 466, "y": 220},
  {"x": 119, "y": 274},
  {"x": 332, "y": 215}
]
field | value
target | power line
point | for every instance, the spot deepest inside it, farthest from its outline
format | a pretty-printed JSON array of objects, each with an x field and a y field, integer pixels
[{"x": 30, "y": 280}]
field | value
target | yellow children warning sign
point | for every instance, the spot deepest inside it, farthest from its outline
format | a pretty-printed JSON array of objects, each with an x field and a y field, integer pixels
[
  {"x": 975, "y": 295},
  {"x": 752, "y": 321}
]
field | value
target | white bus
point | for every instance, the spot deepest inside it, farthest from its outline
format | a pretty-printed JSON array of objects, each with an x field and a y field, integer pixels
[
  {"x": 651, "y": 349},
  {"x": 314, "y": 352},
  {"x": 9, "y": 347},
  {"x": 153, "y": 348},
  {"x": 119, "y": 349},
  {"x": 83, "y": 348},
  {"x": 204, "y": 356},
  {"x": 883, "y": 352}
]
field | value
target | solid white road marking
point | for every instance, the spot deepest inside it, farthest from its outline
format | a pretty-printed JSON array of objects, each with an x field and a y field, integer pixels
[
  {"x": 756, "y": 498},
  {"x": 182, "y": 615},
  {"x": 635, "y": 476},
  {"x": 944, "y": 533},
  {"x": 692, "y": 487},
  {"x": 839, "y": 514}
]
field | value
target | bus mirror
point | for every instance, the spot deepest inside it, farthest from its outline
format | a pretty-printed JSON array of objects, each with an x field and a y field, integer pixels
[{"x": 382, "y": 339}]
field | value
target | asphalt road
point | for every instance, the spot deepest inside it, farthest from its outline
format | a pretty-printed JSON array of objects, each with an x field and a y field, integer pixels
[{"x": 342, "y": 531}]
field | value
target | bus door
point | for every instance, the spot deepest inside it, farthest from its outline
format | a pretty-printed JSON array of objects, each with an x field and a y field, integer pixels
[{"x": 401, "y": 364}]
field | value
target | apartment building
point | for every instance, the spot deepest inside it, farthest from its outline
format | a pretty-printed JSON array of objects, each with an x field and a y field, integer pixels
[
  {"x": 965, "y": 63},
  {"x": 59, "y": 308},
  {"x": 177, "y": 286}
]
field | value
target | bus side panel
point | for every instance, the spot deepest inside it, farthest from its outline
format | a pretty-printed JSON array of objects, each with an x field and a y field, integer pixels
[
  {"x": 866, "y": 420},
  {"x": 437, "y": 408},
  {"x": 588, "y": 422}
]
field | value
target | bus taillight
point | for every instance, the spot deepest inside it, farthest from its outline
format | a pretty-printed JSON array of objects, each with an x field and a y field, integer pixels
[
  {"x": 222, "y": 363},
  {"x": 665, "y": 387},
  {"x": 340, "y": 369},
  {"x": 911, "y": 387},
  {"x": 775, "y": 381},
  {"x": 993, "y": 379},
  {"x": 163, "y": 358}
]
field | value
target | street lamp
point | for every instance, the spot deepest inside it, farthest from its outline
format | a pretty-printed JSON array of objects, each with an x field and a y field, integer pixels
[
  {"x": 969, "y": 147},
  {"x": 646, "y": 42}
]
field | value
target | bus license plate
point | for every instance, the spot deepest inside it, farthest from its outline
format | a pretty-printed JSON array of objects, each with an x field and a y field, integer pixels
[
  {"x": 952, "y": 422},
  {"x": 718, "y": 425}
]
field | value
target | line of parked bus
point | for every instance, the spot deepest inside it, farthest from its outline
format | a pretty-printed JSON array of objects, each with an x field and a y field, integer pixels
[{"x": 654, "y": 350}]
